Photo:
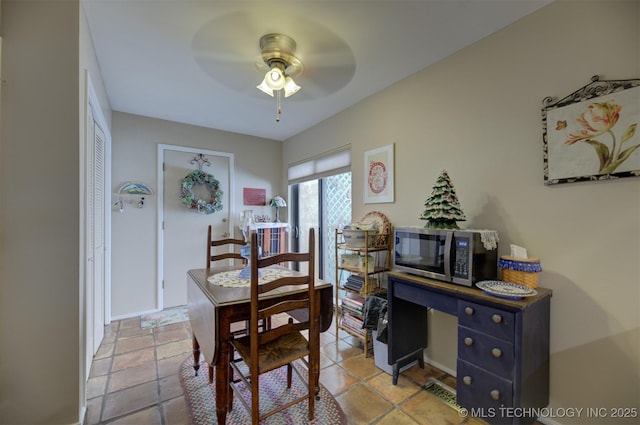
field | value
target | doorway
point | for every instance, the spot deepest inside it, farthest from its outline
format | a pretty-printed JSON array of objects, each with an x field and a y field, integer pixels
[{"x": 183, "y": 231}]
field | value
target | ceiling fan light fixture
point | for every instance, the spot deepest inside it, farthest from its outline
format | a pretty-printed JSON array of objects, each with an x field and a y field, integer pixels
[
  {"x": 278, "y": 53},
  {"x": 290, "y": 87}
]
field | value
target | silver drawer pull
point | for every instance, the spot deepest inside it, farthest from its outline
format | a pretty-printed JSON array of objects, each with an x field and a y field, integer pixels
[
  {"x": 496, "y": 318},
  {"x": 468, "y": 341},
  {"x": 469, "y": 311},
  {"x": 497, "y": 353},
  {"x": 466, "y": 380},
  {"x": 495, "y": 394}
]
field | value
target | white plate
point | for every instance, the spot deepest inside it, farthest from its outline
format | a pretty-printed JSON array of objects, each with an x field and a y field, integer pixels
[{"x": 506, "y": 289}]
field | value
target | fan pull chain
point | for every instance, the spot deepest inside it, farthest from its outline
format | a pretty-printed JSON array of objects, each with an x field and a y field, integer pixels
[{"x": 278, "y": 107}]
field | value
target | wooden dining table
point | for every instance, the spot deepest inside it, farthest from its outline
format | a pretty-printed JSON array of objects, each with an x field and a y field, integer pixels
[{"x": 213, "y": 308}]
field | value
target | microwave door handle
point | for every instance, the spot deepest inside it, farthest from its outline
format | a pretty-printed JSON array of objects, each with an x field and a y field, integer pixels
[{"x": 448, "y": 256}]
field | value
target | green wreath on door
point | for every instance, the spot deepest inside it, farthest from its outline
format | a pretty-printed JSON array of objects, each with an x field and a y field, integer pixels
[{"x": 191, "y": 201}]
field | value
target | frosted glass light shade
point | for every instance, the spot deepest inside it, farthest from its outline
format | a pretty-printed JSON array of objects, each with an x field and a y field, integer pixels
[
  {"x": 290, "y": 87},
  {"x": 275, "y": 78},
  {"x": 264, "y": 87}
]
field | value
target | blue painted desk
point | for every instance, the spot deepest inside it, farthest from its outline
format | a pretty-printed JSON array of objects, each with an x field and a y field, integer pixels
[{"x": 503, "y": 345}]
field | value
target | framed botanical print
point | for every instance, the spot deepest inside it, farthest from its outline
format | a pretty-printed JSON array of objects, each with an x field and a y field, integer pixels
[
  {"x": 591, "y": 133},
  {"x": 378, "y": 175}
]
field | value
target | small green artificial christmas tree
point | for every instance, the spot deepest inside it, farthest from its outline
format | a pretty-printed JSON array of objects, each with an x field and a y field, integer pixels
[{"x": 442, "y": 208}]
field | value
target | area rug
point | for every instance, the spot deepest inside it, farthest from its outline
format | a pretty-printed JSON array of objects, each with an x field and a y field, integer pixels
[
  {"x": 443, "y": 392},
  {"x": 164, "y": 317},
  {"x": 201, "y": 399}
]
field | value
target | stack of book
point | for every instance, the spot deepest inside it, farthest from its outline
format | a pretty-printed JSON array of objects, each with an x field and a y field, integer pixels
[
  {"x": 354, "y": 282},
  {"x": 352, "y": 313},
  {"x": 352, "y": 323},
  {"x": 353, "y": 304}
]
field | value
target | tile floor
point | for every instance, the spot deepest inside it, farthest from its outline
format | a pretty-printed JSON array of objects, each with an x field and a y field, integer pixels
[{"x": 134, "y": 381}]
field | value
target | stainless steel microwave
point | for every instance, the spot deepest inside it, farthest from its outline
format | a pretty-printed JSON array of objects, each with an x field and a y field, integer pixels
[{"x": 456, "y": 256}]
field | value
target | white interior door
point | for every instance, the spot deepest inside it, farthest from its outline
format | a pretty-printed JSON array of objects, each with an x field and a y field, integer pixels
[
  {"x": 95, "y": 237},
  {"x": 184, "y": 233},
  {"x": 98, "y": 238}
]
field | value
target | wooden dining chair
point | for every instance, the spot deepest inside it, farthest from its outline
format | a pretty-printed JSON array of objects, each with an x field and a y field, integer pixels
[
  {"x": 233, "y": 254},
  {"x": 279, "y": 346}
]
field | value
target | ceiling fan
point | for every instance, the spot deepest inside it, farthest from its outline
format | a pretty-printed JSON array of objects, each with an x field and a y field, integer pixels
[
  {"x": 279, "y": 55},
  {"x": 237, "y": 50}
]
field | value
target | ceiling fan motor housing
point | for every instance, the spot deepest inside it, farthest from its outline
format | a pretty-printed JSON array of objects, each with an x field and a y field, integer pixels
[{"x": 279, "y": 50}]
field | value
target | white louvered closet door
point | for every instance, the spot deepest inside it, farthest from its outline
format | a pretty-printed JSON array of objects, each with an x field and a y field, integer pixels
[
  {"x": 95, "y": 236},
  {"x": 96, "y": 239},
  {"x": 97, "y": 212}
]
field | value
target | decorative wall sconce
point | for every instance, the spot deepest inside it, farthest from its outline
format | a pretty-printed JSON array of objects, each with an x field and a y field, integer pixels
[
  {"x": 132, "y": 190},
  {"x": 277, "y": 202}
]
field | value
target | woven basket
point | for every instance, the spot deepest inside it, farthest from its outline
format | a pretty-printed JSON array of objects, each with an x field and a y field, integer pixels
[{"x": 523, "y": 271}]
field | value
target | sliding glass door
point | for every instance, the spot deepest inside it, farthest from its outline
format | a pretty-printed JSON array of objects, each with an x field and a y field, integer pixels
[{"x": 325, "y": 205}]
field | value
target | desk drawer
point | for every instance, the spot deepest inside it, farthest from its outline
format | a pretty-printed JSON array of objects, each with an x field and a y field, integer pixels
[
  {"x": 489, "y": 320},
  {"x": 478, "y": 388},
  {"x": 493, "y": 354}
]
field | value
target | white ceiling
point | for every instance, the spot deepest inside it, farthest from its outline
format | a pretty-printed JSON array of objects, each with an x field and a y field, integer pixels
[{"x": 194, "y": 61}]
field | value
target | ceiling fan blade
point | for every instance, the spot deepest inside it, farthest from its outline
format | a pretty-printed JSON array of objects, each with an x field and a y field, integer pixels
[
  {"x": 241, "y": 76},
  {"x": 325, "y": 80}
]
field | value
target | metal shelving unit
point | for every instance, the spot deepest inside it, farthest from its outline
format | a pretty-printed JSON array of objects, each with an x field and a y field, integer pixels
[{"x": 356, "y": 280}]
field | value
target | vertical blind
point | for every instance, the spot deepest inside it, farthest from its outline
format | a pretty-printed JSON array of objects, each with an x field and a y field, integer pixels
[{"x": 327, "y": 164}]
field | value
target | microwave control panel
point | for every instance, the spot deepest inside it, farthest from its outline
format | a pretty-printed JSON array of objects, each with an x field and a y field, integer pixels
[{"x": 461, "y": 265}]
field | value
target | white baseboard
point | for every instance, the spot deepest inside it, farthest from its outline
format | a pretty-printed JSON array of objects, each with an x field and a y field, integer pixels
[
  {"x": 439, "y": 366},
  {"x": 130, "y": 315}
]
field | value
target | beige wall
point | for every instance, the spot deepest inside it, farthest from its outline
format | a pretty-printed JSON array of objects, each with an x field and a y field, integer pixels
[
  {"x": 42, "y": 312},
  {"x": 477, "y": 114},
  {"x": 135, "y": 143},
  {"x": 40, "y": 271}
]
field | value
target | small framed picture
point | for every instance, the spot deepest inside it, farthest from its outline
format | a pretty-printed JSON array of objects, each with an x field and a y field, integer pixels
[
  {"x": 254, "y": 196},
  {"x": 378, "y": 175}
]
